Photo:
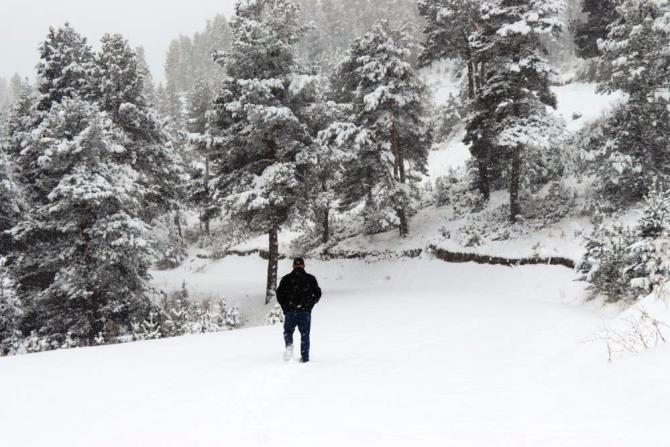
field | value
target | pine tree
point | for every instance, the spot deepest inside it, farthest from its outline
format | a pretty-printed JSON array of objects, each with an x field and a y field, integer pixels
[
  {"x": 66, "y": 62},
  {"x": 636, "y": 49},
  {"x": 199, "y": 193},
  {"x": 21, "y": 120},
  {"x": 327, "y": 155},
  {"x": 117, "y": 76},
  {"x": 510, "y": 109},
  {"x": 450, "y": 28},
  {"x": 256, "y": 173},
  {"x": 449, "y": 25},
  {"x": 636, "y": 150},
  {"x": 9, "y": 197},
  {"x": 119, "y": 90},
  {"x": 389, "y": 106},
  {"x": 5, "y": 100},
  {"x": 148, "y": 86},
  {"x": 80, "y": 261},
  {"x": 599, "y": 14}
]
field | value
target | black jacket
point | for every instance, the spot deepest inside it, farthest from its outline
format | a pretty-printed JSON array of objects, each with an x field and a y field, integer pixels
[{"x": 298, "y": 292}]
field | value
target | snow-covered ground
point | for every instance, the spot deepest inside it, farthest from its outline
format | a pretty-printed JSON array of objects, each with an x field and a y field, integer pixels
[{"x": 405, "y": 353}]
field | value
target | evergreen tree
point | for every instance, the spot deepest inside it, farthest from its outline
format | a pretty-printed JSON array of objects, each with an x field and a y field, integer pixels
[
  {"x": 599, "y": 14},
  {"x": 9, "y": 197},
  {"x": 117, "y": 77},
  {"x": 20, "y": 122},
  {"x": 189, "y": 58},
  {"x": 148, "y": 86},
  {"x": 510, "y": 109},
  {"x": 66, "y": 62},
  {"x": 119, "y": 90},
  {"x": 79, "y": 260},
  {"x": 449, "y": 25},
  {"x": 256, "y": 173},
  {"x": 636, "y": 150},
  {"x": 170, "y": 107},
  {"x": 4, "y": 97},
  {"x": 636, "y": 49},
  {"x": 200, "y": 106},
  {"x": 389, "y": 106},
  {"x": 327, "y": 155}
]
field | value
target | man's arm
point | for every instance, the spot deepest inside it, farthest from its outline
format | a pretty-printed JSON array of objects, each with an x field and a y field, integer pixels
[
  {"x": 281, "y": 293},
  {"x": 317, "y": 291}
]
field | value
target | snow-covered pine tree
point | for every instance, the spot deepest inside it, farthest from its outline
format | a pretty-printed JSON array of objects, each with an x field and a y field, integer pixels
[
  {"x": 450, "y": 26},
  {"x": 330, "y": 153},
  {"x": 310, "y": 99},
  {"x": 9, "y": 198},
  {"x": 5, "y": 101},
  {"x": 200, "y": 106},
  {"x": 626, "y": 264},
  {"x": 169, "y": 107},
  {"x": 636, "y": 151},
  {"x": 80, "y": 261},
  {"x": 255, "y": 168},
  {"x": 510, "y": 109},
  {"x": 389, "y": 103},
  {"x": 119, "y": 90},
  {"x": 148, "y": 87},
  {"x": 20, "y": 122},
  {"x": 651, "y": 252},
  {"x": 636, "y": 49},
  {"x": 66, "y": 61},
  {"x": 598, "y": 16},
  {"x": 117, "y": 77}
]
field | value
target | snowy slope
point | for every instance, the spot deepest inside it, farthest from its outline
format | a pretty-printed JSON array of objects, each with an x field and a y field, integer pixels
[{"x": 405, "y": 353}]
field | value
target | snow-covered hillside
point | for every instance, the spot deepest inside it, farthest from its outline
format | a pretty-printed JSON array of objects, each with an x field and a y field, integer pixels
[{"x": 405, "y": 353}]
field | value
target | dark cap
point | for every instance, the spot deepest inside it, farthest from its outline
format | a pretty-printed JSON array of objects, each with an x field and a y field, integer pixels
[{"x": 298, "y": 262}]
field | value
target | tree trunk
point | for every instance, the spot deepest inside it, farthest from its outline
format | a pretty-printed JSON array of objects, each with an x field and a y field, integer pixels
[
  {"x": 515, "y": 180},
  {"x": 399, "y": 171},
  {"x": 207, "y": 195},
  {"x": 326, "y": 225},
  {"x": 484, "y": 180},
  {"x": 177, "y": 222},
  {"x": 471, "y": 68},
  {"x": 471, "y": 80},
  {"x": 273, "y": 258}
]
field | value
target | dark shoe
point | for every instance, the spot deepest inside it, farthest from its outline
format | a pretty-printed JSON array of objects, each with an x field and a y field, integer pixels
[{"x": 304, "y": 360}]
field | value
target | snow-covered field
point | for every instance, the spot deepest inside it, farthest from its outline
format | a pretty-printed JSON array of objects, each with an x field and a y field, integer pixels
[{"x": 405, "y": 353}]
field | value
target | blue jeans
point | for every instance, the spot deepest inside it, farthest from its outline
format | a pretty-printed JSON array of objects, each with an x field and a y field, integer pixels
[{"x": 303, "y": 320}]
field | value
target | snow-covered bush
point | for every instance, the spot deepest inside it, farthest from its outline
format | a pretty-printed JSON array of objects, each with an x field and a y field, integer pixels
[
  {"x": 176, "y": 315},
  {"x": 470, "y": 235},
  {"x": 459, "y": 192},
  {"x": 624, "y": 264},
  {"x": 556, "y": 202},
  {"x": 276, "y": 316},
  {"x": 10, "y": 307},
  {"x": 148, "y": 329},
  {"x": 445, "y": 189},
  {"x": 643, "y": 326},
  {"x": 169, "y": 247}
]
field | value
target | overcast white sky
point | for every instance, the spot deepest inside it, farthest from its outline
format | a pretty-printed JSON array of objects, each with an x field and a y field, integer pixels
[{"x": 150, "y": 23}]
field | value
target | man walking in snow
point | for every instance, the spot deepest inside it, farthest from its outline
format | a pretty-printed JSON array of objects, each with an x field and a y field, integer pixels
[{"x": 297, "y": 294}]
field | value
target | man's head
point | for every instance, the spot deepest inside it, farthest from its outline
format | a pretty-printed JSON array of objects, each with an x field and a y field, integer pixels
[{"x": 298, "y": 263}]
